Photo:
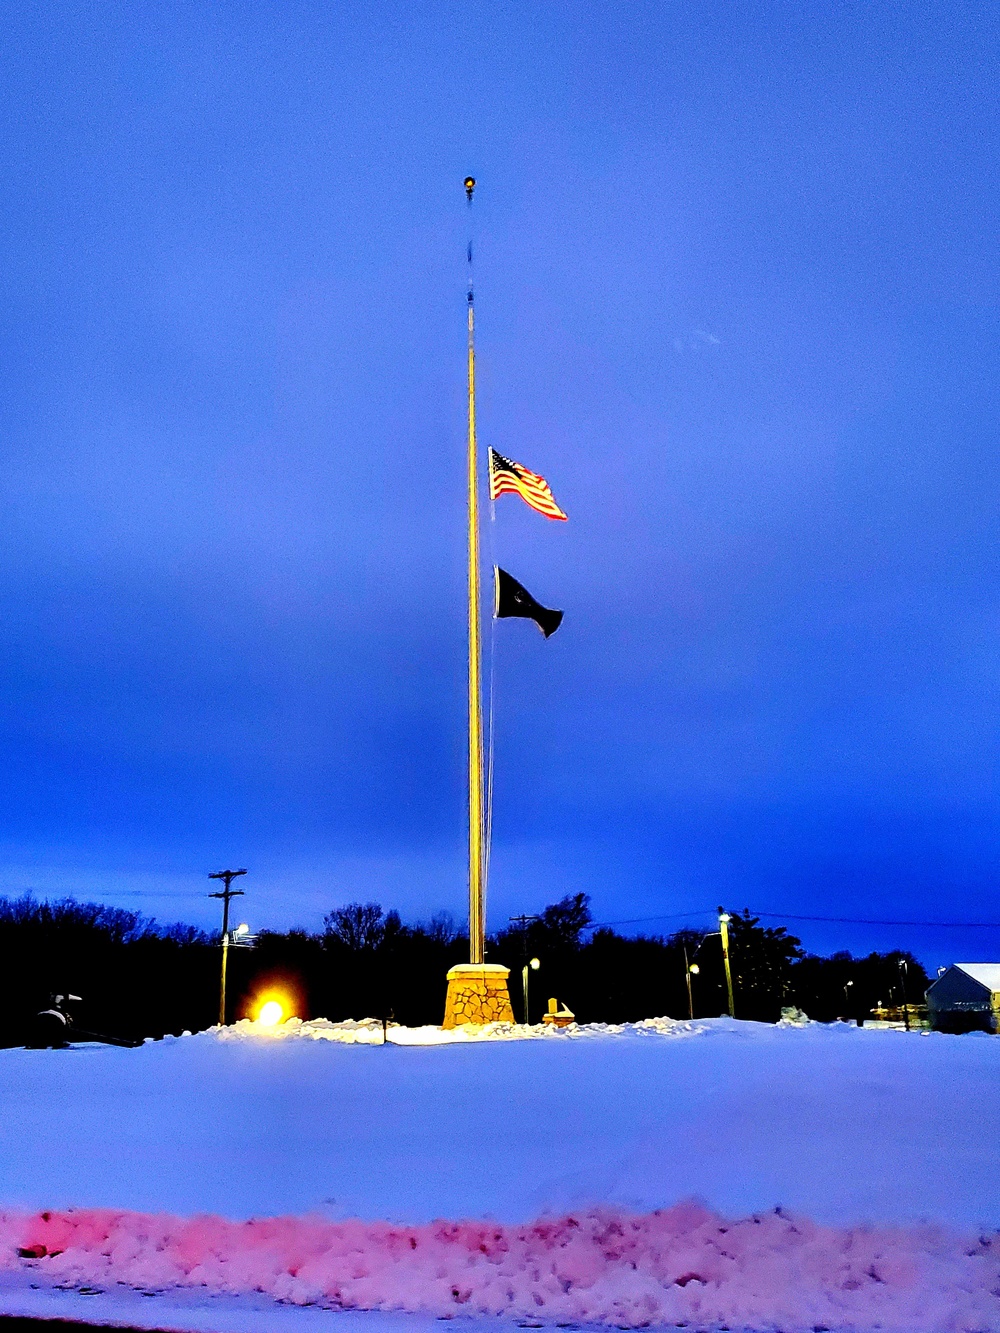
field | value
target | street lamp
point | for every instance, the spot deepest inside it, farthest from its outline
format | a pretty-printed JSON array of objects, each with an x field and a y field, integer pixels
[
  {"x": 853, "y": 1010},
  {"x": 724, "y": 919},
  {"x": 902, "y": 986},
  {"x": 531, "y": 966},
  {"x": 690, "y": 970}
]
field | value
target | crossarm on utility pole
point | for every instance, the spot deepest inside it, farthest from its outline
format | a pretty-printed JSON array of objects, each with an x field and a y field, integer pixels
[{"x": 227, "y": 893}]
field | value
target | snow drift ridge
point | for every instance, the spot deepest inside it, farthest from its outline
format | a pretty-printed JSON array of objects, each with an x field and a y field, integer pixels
[{"x": 682, "y": 1264}]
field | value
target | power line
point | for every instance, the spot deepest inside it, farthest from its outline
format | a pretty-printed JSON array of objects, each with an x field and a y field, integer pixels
[
  {"x": 791, "y": 916},
  {"x": 863, "y": 921},
  {"x": 640, "y": 920}
]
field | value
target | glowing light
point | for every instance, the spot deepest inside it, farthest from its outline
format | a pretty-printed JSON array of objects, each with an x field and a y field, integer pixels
[
  {"x": 271, "y": 1013},
  {"x": 694, "y": 968},
  {"x": 534, "y": 964}
]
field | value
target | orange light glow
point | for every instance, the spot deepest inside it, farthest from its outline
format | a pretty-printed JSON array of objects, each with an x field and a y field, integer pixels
[
  {"x": 272, "y": 1010},
  {"x": 274, "y": 1001}
]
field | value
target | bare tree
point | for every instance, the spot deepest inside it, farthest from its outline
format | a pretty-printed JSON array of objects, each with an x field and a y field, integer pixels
[{"x": 357, "y": 927}]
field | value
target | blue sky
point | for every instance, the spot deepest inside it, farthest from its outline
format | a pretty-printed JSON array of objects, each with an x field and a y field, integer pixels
[{"x": 738, "y": 299}]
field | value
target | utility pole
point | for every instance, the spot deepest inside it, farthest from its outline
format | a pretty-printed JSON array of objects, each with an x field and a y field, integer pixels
[
  {"x": 227, "y": 876},
  {"x": 724, "y": 932},
  {"x": 523, "y": 922}
]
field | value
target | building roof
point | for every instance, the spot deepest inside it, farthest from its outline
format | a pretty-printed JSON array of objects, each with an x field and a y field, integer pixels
[{"x": 987, "y": 974}]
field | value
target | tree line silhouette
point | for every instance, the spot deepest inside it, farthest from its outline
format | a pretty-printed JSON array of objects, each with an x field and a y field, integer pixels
[{"x": 138, "y": 978}]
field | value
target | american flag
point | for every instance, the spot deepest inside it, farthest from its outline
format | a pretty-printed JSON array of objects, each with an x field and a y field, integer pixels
[{"x": 519, "y": 480}]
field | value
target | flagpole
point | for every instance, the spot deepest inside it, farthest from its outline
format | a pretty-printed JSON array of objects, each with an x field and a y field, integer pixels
[
  {"x": 477, "y": 924},
  {"x": 477, "y": 990}
]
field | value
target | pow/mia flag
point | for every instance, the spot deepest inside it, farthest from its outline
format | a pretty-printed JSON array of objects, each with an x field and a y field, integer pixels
[{"x": 514, "y": 600}]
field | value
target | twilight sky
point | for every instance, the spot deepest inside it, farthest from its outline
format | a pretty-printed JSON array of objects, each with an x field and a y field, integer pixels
[{"x": 738, "y": 290}]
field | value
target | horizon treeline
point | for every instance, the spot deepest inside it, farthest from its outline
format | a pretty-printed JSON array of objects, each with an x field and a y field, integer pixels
[{"x": 138, "y": 978}]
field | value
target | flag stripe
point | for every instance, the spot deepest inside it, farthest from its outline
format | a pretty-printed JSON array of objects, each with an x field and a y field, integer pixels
[
  {"x": 540, "y": 503},
  {"x": 509, "y": 478}
]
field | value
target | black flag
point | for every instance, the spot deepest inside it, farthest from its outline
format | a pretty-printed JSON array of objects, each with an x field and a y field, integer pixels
[{"x": 513, "y": 600}]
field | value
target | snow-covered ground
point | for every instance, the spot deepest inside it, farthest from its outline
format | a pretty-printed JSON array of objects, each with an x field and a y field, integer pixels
[{"x": 570, "y": 1151}]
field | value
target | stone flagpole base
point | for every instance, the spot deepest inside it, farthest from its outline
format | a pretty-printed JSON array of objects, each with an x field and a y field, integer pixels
[{"x": 477, "y": 993}]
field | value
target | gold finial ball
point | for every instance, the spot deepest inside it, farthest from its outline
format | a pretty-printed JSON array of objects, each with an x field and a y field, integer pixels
[{"x": 470, "y": 185}]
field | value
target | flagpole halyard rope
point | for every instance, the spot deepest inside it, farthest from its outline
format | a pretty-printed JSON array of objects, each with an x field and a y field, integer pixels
[
  {"x": 477, "y": 932},
  {"x": 490, "y": 717},
  {"x": 493, "y": 659}
]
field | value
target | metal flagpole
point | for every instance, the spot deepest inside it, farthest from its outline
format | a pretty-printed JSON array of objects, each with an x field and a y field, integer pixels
[
  {"x": 477, "y": 924},
  {"x": 477, "y": 990},
  {"x": 490, "y": 750}
]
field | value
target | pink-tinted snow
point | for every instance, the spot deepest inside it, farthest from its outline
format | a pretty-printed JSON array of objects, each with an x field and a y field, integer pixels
[{"x": 682, "y": 1264}]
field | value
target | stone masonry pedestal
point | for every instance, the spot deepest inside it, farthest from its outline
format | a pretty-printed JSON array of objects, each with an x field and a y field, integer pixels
[{"x": 477, "y": 993}]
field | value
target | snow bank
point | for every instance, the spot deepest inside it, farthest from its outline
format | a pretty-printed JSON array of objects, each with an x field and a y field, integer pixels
[
  {"x": 369, "y": 1031},
  {"x": 682, "y": 1264},
  {"x": 839, "y": 1124}
]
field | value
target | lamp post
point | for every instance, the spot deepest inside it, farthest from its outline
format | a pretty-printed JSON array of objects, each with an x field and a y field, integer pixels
[
  {"x": 227, "y": 876},
  {"x": 902, "y": 987},
  {"x": 690, "y": 970},
  {"x": 531, "y": 966},
  {"x": 523, "y": 923},
  {"x": 724, "y": 932}
]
